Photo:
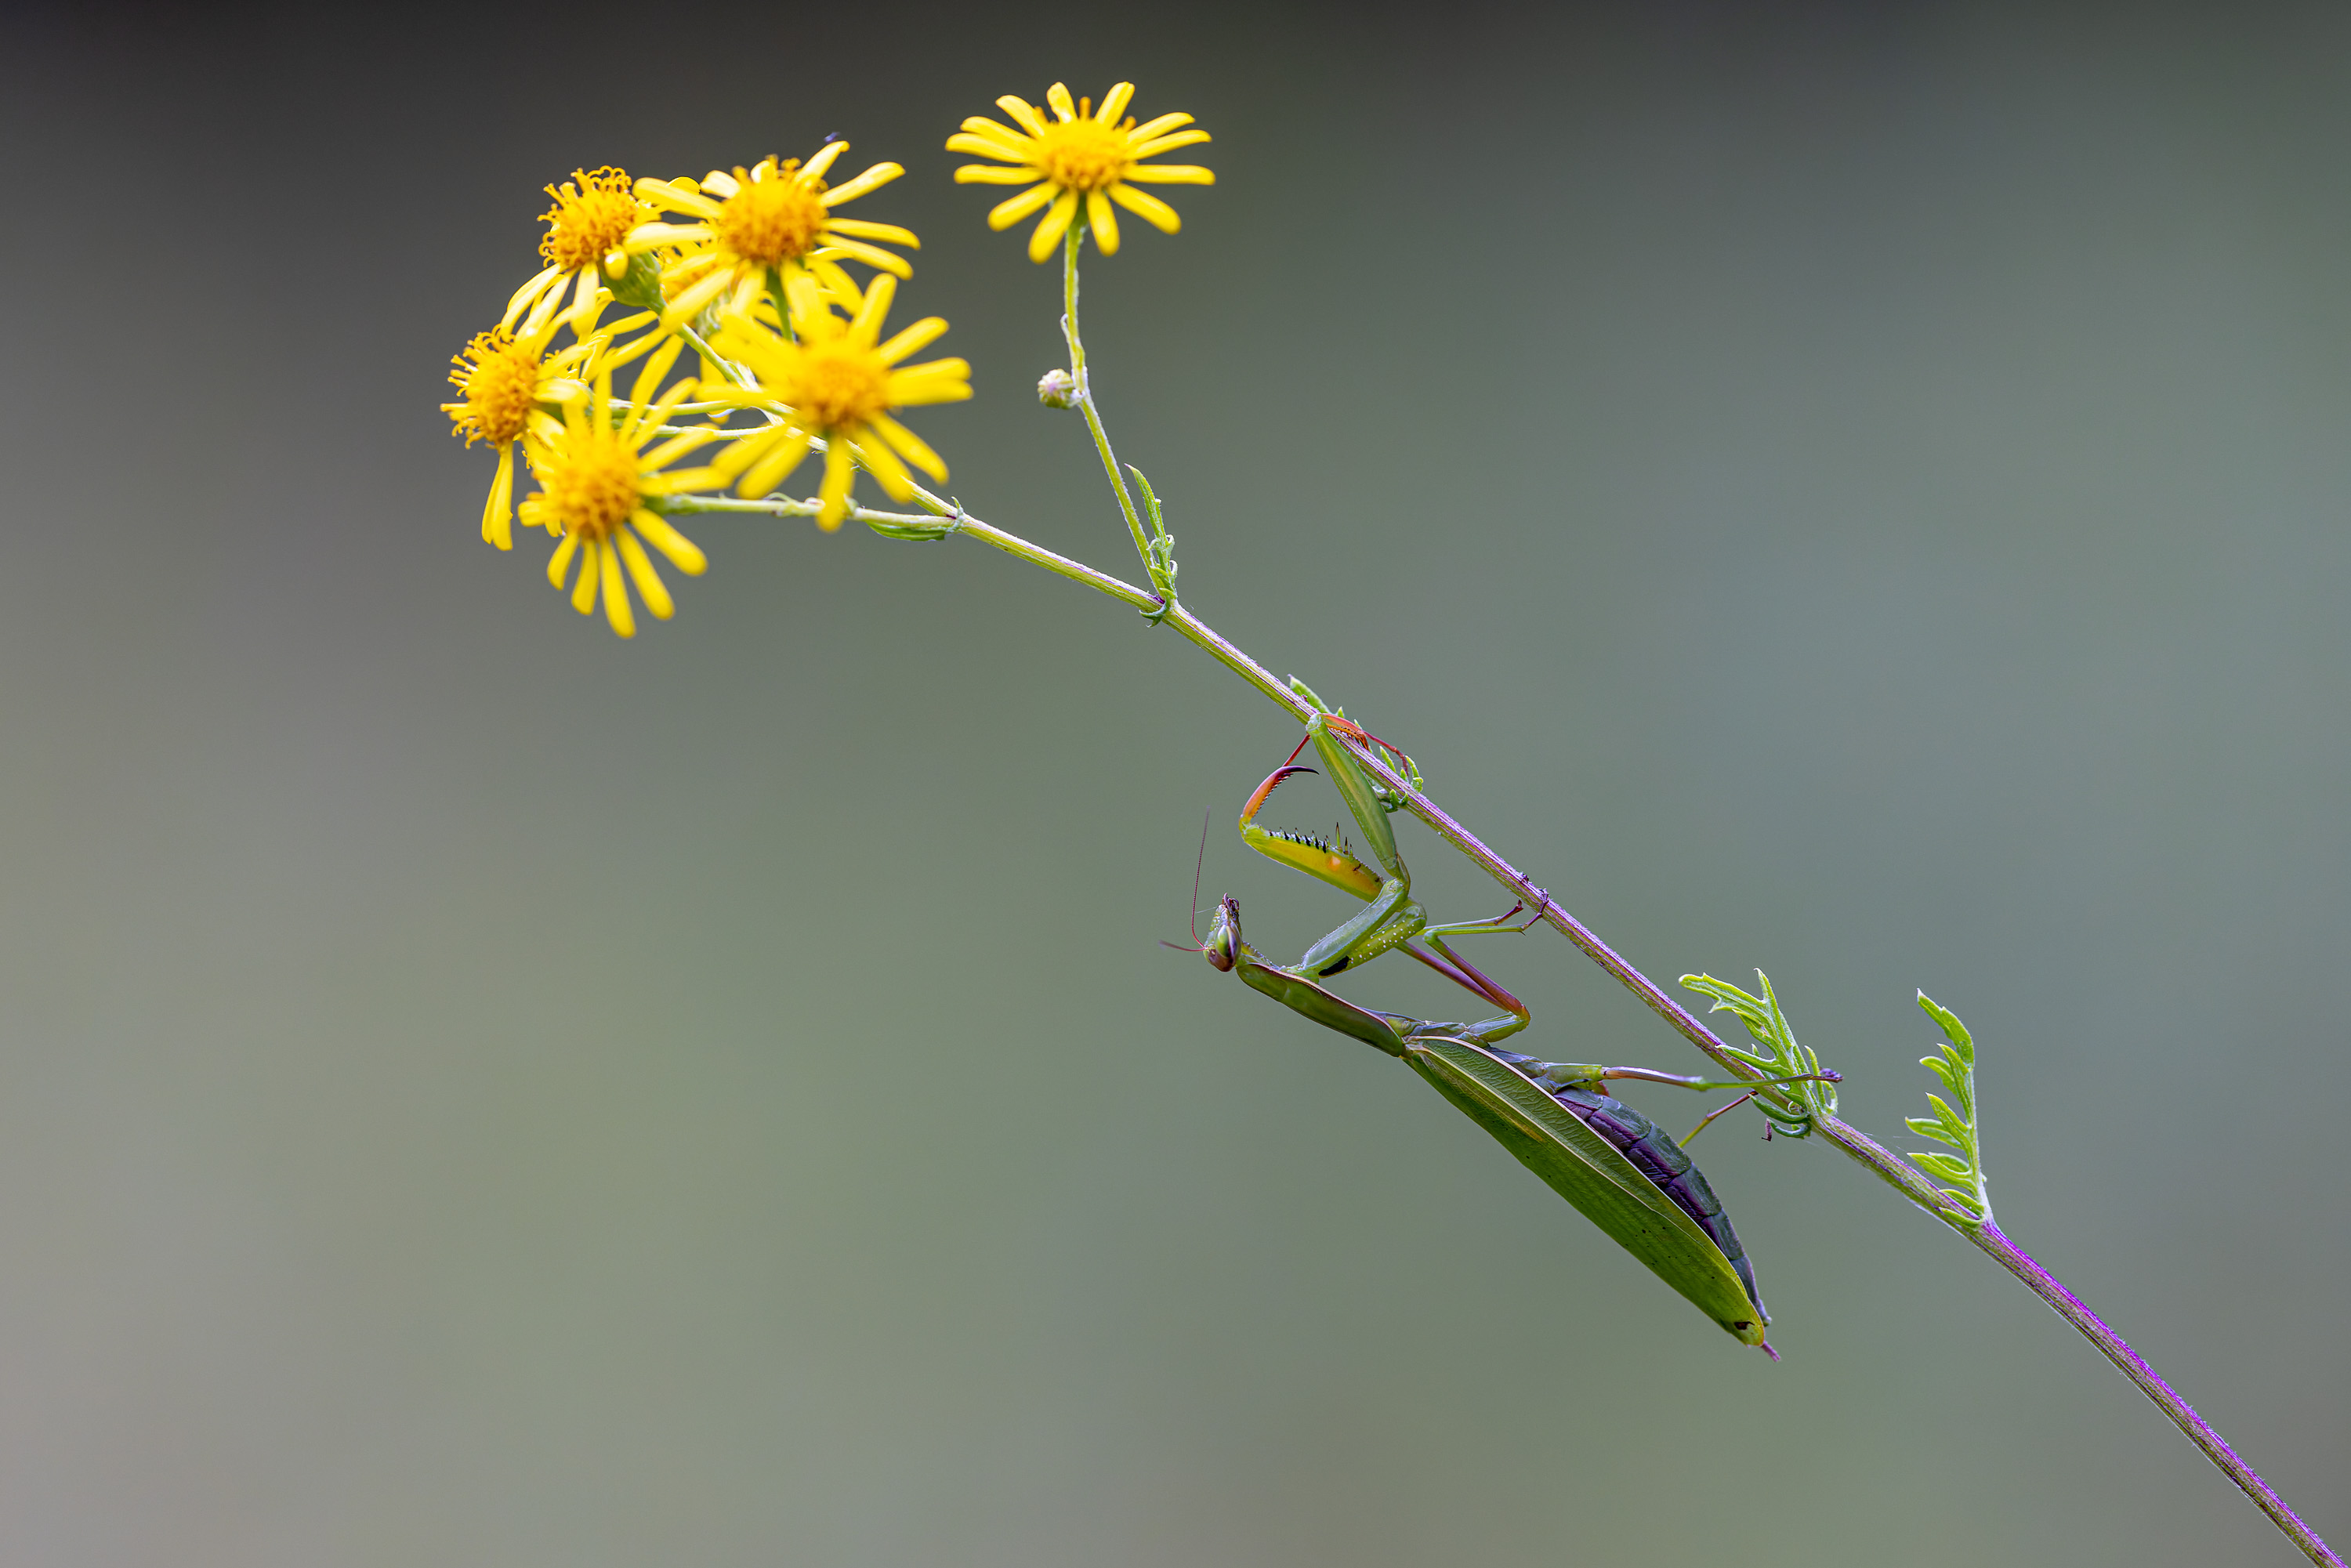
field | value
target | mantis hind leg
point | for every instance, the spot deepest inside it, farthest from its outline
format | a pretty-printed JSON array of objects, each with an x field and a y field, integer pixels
[
  {"x": 1573, "y": 1074},
  {"x": 1466, "y": 974}
]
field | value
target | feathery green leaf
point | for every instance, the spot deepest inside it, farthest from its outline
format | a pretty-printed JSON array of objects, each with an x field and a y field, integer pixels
[
  {"x": 1954, "y": 1122},
  {"x": 1790, "y": 1107}
]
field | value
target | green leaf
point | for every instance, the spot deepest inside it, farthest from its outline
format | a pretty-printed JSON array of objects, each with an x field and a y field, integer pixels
[
  {"x": 1949, "y": 1022},
  {"x": 1954, "y": 1121},
  {"x": 1791, "y": 1107}
]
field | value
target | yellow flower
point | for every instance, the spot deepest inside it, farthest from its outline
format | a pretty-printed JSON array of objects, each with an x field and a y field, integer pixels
[
  {"x": 776, "y": 217},
  {"x": 600, "y": 491},
  {"x": 584, "y": 231},
  {"x": 840, "y": 383},
  {"x": 1085, "y": 155},
  {"x": 504, "y": 385}
]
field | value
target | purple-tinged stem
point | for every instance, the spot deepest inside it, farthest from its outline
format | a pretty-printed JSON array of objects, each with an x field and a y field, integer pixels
[{"x": 2067, "y": 1305}]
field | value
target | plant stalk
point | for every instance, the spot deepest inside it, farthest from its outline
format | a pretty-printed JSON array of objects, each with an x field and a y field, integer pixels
[
  {"x": 2131, "y": 1364},
  {"x": 1085, "y": 388}
]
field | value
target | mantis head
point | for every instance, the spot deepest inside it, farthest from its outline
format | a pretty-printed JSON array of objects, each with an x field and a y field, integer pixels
[{"x": 1223, "y": 945}]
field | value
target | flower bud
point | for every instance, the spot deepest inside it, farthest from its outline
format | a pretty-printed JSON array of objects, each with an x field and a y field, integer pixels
[
  {"x": 1058, "y": 389},
  {"x": 637, "y": 283}
]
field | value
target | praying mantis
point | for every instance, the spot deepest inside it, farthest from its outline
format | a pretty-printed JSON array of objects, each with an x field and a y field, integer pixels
[{"x": 1615, "y": 1165}]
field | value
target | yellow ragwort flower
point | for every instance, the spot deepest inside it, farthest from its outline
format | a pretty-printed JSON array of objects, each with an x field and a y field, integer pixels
[
  {"x": 599, "y": 489},
  {"x": 776, "y": 217},
  {"x": 584, "y": 231},
  {"x": 503, "y": 386},
  {"x": 839, "y": 382},
  {"x": 1085, "y": 155}
]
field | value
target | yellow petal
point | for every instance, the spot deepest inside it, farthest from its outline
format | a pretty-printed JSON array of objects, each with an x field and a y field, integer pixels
[
  {"x": 681, "y": 551},
  {"x": 1155, "y": 145},
  {"x": 782, "y": 457},
  {"x": 835, "y": 281},
  {"x": 891, "y": 233},
  {"x": 883, "y": 465},
  {"x": 834, "y": 496},
  {"x": 873, "y": 179},
  {"x": 584, "y": 592},
  {"x": 921, "y": 335},
  {"x": 498, "y": 515},
  {"x": 1146, "y": 206},
  {"x": 867, "y": 324},
  {"x": 561, "y": 561},
  {"x": 1113, "y": 103},
  {"x": 542, "y": 310},
  {"x": 650, "y": 587},
  {"x": 527, "y": 293},
  {"x": 941, "y": 380},
  {"x": 651, "y": 236},
  {"x": 1051, "y": 226},
  {"x": 1173, "y": 175},
  {"x": 632, "y": 349},
  {"x": 656, "y": 368},
  {"x": 989, "y": 175},
  {"x": 1012, "y": 210},
  {"x": 871, "y": 256},
  {"x": 679, "y": 480},
  {"x": 980, "y": 125},
  {"x": 744, "y": 450},
  {"x": 616, "y": 592},
  {"x": 583, "y": 299},
  {"x": 689, "y": 303},
  {"x": 677, "y": 447},
  {"x": 910, "y": 446},
  {"x": 1159, "y": 127},
  {"x": 815, "y": 167},
  {"x": 1102, "y": 221},
  {"x": 998, "y": 143},
  {"x": 1059, "y": 97},
  {"x": 1024, "y": 114}
]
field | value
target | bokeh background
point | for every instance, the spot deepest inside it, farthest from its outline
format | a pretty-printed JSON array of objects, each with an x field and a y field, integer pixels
[{"x": 1859, "y": 492}]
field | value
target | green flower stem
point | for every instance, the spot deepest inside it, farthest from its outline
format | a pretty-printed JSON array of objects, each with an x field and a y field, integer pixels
[
  {"x": 1872, "y": 1156},
  {"x": 735, "y": 373},
  {"x": 625, "y": 406},
  {"x": 1086, "y": 392}
]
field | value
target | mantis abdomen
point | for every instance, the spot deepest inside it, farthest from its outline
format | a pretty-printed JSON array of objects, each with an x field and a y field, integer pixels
[{"x": 1656, "y": 1156}]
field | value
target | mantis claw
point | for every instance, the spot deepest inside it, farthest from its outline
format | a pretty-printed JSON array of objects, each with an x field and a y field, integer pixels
[{"x": 1256, "y": 801}]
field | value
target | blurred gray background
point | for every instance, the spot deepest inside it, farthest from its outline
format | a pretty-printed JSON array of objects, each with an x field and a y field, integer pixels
[{"x": 1858, "y": 492}]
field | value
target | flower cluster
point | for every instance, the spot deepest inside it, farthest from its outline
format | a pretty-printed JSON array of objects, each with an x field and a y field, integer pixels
[{"x": 751, "y": 271}]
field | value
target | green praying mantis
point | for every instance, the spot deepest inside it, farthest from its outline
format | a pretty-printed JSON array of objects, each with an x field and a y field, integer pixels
[{"x": 1615, "y": 1165}]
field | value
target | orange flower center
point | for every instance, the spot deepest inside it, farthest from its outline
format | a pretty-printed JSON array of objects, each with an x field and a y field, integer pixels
[
  {"x": 842, "y": 384},
  {"x": 775, "y": 220},
  {"x": 589, "y": 220},
  {"x": 590, "y": 481},
  {"x": 1083, "y": 154},
  {"x": 499, "y": 386}
]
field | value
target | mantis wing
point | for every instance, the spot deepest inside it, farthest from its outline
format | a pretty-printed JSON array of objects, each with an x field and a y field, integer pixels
[{"x": 1586, "y": 1170}]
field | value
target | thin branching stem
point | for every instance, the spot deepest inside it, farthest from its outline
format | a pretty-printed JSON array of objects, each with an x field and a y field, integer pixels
[
  {"x": 2131, "y": 1364},
  {"x": 1085, "y": 391}
]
